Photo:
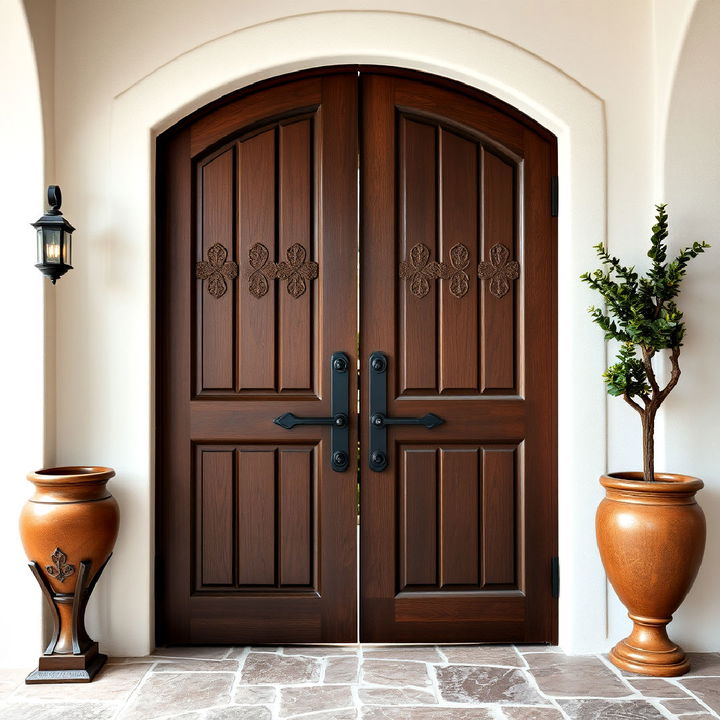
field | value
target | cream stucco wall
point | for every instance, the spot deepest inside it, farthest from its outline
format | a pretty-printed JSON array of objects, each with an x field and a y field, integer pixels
[{"x": 597, "y": 74}]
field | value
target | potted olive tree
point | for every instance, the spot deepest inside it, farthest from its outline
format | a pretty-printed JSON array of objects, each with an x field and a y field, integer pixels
[{"x": 650, "y": 530}]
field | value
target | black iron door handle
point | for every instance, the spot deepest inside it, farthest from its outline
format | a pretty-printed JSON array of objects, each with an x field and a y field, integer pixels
[
  {"x": 339, "y": 407},
  {"x": 379, "y": 419}
]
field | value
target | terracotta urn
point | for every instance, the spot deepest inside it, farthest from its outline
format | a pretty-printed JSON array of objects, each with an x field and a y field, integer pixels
[
  {"x": 68, "y": 529},
  {"x": 651, "y": 537}
]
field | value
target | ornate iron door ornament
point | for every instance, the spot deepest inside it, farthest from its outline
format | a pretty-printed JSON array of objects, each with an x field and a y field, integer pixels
[
  {"x": 216, "y": 270},
  {"x": 419, "y": 270},
  {"x": 499, "y": 270}
]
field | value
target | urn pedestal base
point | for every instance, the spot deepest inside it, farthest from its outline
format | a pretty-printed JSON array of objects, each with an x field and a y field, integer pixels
[
  {"x": 68, "y": 668},
  {"x": 649, "y": 651}
]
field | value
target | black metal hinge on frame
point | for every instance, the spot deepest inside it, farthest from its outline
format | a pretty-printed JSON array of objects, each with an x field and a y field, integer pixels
[
  {"x": 554, "y": 196},
  {"x": 555, "y": 576}
]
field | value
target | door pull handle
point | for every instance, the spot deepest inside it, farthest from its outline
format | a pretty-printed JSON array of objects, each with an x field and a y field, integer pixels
[
  {"x": 338, "y": 421},
  {"x": 379, "y": 420}
]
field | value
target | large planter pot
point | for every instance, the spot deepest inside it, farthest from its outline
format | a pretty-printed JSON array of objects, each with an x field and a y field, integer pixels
[
  {"x": 68, "y": 529},
  {"x": 651, "y": 538}
]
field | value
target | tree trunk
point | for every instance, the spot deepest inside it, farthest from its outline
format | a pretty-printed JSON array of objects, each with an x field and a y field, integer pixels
[{"x": 648, "y": 431}]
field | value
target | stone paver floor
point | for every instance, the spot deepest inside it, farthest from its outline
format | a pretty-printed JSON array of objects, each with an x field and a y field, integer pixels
[{"x": 460, "y": 682}]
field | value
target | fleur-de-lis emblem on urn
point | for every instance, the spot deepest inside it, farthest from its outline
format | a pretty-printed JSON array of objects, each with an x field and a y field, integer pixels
[
  {"x": 60, "y": 569},
  {"x": 217, "y": 269},
  {"x": 296, "y": 270},
  {"x": 419, "y": 270},
  {"x": 499, "y": 270}
]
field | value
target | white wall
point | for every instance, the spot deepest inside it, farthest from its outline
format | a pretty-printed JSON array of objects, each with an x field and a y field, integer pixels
[
  {"x": 116, "y": 62},
  {"x": 21, "y": 318},
  {"x": 692, "y": 183}
]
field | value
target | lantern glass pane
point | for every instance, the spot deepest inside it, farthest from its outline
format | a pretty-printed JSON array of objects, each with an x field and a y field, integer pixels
[
  {"x": 52, "y": 245},
  {"x": 40, "y": 246},
  {"x": 67, "y": 248}
]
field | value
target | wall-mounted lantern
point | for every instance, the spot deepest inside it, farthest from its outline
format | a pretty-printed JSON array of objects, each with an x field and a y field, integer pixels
[{"x": 54, "y": 238}]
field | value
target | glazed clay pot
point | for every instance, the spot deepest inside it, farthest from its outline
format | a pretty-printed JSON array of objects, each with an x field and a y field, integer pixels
[
  {"x": 72, "y": 517},
  {"x": 651, "y": 538}
]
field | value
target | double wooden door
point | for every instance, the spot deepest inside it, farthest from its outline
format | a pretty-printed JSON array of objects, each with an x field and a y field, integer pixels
[{"x": 356, "y": 287}]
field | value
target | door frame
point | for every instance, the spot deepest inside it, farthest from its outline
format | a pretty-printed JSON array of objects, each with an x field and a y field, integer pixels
[{"x": 160, "y": 98}]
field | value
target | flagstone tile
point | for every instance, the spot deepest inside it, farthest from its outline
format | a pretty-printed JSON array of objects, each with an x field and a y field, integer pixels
[
  {"x": 704, "y": 664},
  {"x": 296, "y": 701},
  {"x": 522, "y": 649},
  {"x": 707, "y": 689},
  {"x": 482, "y": 655},
  {"x": 254, "y": 695},
  {"x": 237, "y": 652},
  {"x": 687, "y": 705},
  {"x": 530, "y": 713},
  {"x": 404, "y": 652},
  {"x": 472, "y": 684},
  {"x": 114, "y": 682},
  {"x": 561, "y": 675},
  {"x": 175, "y": 693},
  {"x": 657, "y": 688},
  {"x": 342, "y": 669},
  {"x": 56, "y": 711},
  {"x": 425, "y": 713},
  {"x": 238, "y": 713},
  {"x": 396, "y": 673},
  {"x": 346, "y": 714},
  {"x": 396, "y": 696},
  {"x": 319, "y": 650},
  {"x": 597, "y": 709},
  {"x": 201, "y": 653},
  {"x": 193, "y": 665},
  {"x": 261, "y": 668}
]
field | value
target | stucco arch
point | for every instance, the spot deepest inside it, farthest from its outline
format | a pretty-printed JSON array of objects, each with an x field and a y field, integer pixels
[{"x": 428, "y": 44}]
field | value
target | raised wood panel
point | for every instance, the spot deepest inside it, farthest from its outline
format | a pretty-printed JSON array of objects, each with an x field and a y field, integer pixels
[
  {"x": 459, "y": 535},
  {"x": 256, "y": 517},
  {"x": 257, "y": 351},
  {"x": 417, "y": 218},
  {"x": 458, "y": 322},
  {"x": 216, "y": 226},
  {"x": 294, "y": 319},
  {"x": 216, "y": 503},
  {"x": 295, "y": 519},
  {"x": 499, "y": 503},
  {"x": 498, "y": 313},
  {"x": 418, "y": 521}
]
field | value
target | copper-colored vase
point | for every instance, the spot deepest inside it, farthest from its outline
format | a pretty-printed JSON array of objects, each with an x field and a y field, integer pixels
[
  {"x": 68, "y": 529},
  {"x": 651, "y": 538}
]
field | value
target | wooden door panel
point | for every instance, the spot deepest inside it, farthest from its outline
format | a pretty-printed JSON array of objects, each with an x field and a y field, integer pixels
[
  {"x": 256, "y": 511},
  {"x": 258, "y": 235},
  {"x": 457, "y": 199},
  {"x": 271, "y": 346},
  {"x": 458, "y": 514},
  {"x": 458, "y": 532}
]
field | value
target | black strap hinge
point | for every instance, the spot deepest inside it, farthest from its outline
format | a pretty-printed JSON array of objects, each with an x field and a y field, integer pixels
[{"x": 555, "y": 576}]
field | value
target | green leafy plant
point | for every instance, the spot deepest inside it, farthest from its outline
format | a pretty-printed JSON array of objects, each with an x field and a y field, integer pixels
[{"x": 640, "y": 313}]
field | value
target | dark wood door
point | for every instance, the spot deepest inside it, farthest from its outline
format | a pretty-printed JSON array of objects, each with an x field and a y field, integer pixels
[
  {"x": 257, "y": 277},
  {"x": 458, "y": 289},
  {"x": 259, "y": 232}
]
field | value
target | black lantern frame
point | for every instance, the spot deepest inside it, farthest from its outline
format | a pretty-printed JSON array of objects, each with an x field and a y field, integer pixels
[{"x": 54, "y": 238}]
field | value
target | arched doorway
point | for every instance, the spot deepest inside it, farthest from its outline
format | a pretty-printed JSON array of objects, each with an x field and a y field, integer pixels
[{"x": 294, "y": 217}]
